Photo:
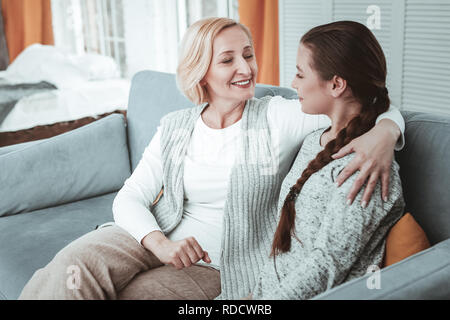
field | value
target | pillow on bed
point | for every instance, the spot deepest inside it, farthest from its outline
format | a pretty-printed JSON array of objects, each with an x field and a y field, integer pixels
[
  {"x": 45, "y": 63},
  {"x": 97, "y": 67}
]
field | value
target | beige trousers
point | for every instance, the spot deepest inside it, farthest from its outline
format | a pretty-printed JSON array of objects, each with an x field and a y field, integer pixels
[{"x": 109, "y": 263}]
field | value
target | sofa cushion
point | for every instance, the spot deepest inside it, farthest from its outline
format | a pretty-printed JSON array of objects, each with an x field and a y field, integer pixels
[
  {"x": 30, "y": 240},
  {"x": 86, "y": 162},
  {"x": 17, "y": 146},
  {"x": 404, "y": 239},
  {"x": 425, "y": 172}
]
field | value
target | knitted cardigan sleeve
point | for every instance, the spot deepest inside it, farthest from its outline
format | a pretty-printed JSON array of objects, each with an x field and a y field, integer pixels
[{"x": 342, "y": 236}]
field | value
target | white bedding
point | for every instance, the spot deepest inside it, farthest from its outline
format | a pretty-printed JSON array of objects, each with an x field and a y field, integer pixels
[
  {"x": 87, "y": 99},
  {"x": 88, "y": 85}
]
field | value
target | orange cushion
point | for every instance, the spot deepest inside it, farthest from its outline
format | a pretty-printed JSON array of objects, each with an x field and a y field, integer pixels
[{"x": 404, "y": 239}]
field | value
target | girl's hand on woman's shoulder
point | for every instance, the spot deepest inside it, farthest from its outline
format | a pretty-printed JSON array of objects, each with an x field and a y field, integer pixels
[{"x": 374, "y": 153}]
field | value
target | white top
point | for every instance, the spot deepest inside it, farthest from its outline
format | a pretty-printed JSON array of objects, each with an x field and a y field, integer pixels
[{"x": 207, "y": 167}]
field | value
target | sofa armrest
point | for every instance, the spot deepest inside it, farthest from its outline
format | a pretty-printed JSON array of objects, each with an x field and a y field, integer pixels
[
  {"x": 425, "y": 275},
  {"x": 82, "y": 163}
]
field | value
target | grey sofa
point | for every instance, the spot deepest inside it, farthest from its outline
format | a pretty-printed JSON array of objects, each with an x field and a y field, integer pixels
[{"x": 53, "y": 191}]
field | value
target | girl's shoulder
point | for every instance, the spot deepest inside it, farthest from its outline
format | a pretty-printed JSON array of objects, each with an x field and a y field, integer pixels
[
  {"x": 311, "y": 147},
  {"x": 335, "y": 167}
]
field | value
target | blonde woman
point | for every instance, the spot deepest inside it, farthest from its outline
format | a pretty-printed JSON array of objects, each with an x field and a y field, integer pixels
[{"x": 221, "y": 165}]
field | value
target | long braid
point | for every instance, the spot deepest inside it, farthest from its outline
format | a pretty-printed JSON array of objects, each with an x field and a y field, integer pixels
[{"x": 358, "y": 126}]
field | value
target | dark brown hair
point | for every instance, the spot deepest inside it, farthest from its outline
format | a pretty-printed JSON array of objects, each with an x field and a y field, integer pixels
[{"x": 349, "y": 50}]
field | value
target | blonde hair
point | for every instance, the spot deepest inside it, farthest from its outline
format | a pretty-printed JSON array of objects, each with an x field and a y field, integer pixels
[{"x": 195, "y": 55}]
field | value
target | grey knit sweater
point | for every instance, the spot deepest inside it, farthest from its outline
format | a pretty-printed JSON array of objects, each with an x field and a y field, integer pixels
[
  {"x": 250, "y": 207},
  {"x": 338, "y": 242}
]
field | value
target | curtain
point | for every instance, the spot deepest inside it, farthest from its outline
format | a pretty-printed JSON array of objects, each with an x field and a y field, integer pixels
[
  {"x": 26, "y": 22},
  {"x": 261, "y": 17},
  {"x": 146, "y": 30},
  {"x": 4, "y": 56}
]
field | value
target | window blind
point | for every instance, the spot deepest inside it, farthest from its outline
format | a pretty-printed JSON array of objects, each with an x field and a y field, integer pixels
[{"x": 414, "y": 35}]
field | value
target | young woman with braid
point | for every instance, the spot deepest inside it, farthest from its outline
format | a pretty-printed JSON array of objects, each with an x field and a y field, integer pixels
[{"x": 320, "y": 241}]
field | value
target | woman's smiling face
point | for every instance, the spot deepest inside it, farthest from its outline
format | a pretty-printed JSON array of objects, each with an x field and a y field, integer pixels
[
  {"x": 232, "y": 71},
  {"x": 311, "y": 90}
]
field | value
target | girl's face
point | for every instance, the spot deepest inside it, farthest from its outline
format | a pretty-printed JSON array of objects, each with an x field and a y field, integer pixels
[
  {"x": 232, "y": 73},
  {"x": 313, "y": 92}
]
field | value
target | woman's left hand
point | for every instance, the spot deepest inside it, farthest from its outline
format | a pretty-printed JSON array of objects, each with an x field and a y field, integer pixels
[{"x": 374, "y": 154}]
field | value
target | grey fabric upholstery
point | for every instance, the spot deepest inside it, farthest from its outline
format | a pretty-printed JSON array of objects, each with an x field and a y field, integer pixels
[
  {"x": 425, "y": 172},
  {"x": 425, "y": 275},
  {"x": 94, "y": 159},
  {"x": 13, "y": 147},
  {"x": 152, "y": 95},
  {"x": 78, "y": 164},
  {"x": 28, "y": 241}
]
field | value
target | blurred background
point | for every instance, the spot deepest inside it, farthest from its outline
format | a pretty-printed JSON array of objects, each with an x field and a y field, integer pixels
[
  {"x": 137, "y": 34},
  {"x": 83, "y": 53}
]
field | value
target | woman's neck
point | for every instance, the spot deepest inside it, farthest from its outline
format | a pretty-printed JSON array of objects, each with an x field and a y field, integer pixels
[
  {"x": 341, "y": 114},
  {"x": 222, "y": 115}
]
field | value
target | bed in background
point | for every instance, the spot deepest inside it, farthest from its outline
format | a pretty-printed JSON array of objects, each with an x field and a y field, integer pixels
[{"x": 47, "y": 92}]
